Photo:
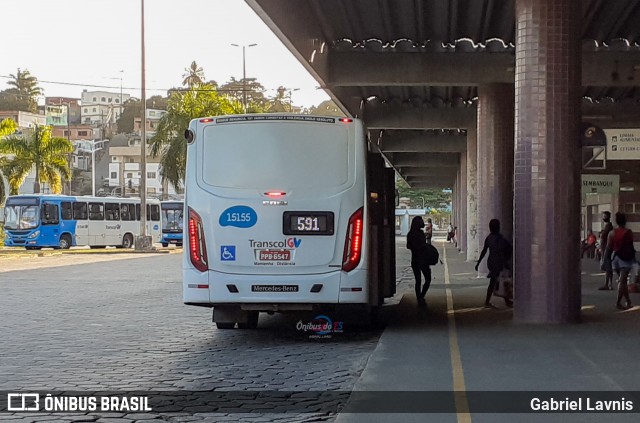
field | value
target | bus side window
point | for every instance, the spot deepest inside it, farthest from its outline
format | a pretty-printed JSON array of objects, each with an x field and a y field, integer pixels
[
  {"x": 80, "y": 211},
  {"x": 153, "y": 212},
  {"x": 137, "y": 211},
  {"x": 67, "y": 213},
  {"x": 126, "y": 212},
  {"x": 96, "y": 211},
  {"x": 112, "y": 211},
  {"x": 50, "y": 214}
]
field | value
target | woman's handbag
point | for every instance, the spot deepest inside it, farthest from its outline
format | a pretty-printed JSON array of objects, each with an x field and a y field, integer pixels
[{"x": 504, "y": 286}]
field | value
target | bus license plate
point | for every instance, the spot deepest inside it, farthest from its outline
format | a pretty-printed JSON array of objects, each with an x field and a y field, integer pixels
[{"x": 274, "y": 288}]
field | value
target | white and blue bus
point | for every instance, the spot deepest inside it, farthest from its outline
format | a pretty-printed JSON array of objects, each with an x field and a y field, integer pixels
[
  {"x": 40, "y": 220},
  {"x": 285, "y": 212},
  {"x": 172, "y": 222}
]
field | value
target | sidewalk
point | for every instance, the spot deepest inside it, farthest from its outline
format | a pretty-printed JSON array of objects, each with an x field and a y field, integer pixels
[{"x": 478, "y": 349}]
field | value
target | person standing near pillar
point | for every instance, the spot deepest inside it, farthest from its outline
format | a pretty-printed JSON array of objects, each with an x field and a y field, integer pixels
[
  {"x": 605, "y": 259},
  {"x": 620, "y": 246},
  {"x": 499, "y": 255},
  {"x": 417, "y": 243}
]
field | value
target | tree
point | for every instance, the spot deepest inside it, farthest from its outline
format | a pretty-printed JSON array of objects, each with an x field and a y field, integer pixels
[
  {"x": 326, "y": 108},
  {"x": 256, "y": 101},
  {"x": 40, "y": 150},
  {"x": 194, "y": 75},
  {"x": 184, "y": 105},
  {"x": 10, "y": 100},
  {"x": 25, "y": 89},
  {"x": 7, "y": 127},
  {"x": 433, "y": 198},
  {"x": 132, "y": 110},
  {"x": 279, "y": 103}
]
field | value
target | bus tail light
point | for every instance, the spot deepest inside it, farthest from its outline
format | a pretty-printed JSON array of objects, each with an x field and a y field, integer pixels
[
  {"x": 197, "y": 245},
  {"x": 353, "y": 242}
]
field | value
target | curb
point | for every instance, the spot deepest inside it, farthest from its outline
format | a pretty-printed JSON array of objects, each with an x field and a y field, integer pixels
[{"x": 26, "y": 254}]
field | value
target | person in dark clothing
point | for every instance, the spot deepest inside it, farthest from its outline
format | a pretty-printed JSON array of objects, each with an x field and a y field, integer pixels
[
  {"x": 605, "y": 259},
  {"x": 417, "y": 243},
  {"x": 620, "y": 246},
  {"x": 499, "y": 255}
]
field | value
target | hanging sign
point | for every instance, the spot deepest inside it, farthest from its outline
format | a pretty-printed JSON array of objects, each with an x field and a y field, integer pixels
[{"x": 623, "y": 144}]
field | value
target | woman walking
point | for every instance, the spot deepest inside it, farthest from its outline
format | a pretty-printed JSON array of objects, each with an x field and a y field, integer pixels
[
  {"x": 417, "y": 243},
  {"x": 620, "y": 246},
  {"x": 499, "y": 255}
]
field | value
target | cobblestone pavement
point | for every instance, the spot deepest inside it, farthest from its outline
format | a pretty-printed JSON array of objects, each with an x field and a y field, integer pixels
[{"x": 121, "y": 325}]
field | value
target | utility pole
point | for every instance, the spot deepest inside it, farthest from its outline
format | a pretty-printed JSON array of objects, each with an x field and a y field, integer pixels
[
  {"x": 244, "y": 74},
  {"x": 143, "y": 242}
]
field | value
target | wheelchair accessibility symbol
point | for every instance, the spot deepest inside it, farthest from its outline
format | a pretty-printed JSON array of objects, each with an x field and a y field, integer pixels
[{"x": 228, "y": 253}]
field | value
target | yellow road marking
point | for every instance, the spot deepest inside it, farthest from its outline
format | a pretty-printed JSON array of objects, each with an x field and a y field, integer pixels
[{"x": 459, "y": 388}]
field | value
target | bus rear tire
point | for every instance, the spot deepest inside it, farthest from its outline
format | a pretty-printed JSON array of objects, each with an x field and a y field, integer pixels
[
  {"x": 65, "y": 242},
  {"x": 127, "y": 241},
  {"x": 226, "y": 325},
  {"x": 165, "y": 245}
]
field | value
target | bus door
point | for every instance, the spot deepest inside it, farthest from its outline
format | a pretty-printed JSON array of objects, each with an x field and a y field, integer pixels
[
  {"x": 67, "y": 225},
  {"x": 153, "y": 222},
  {"x": 50, "y": 223},
  {"x": 381, "y": 224}
]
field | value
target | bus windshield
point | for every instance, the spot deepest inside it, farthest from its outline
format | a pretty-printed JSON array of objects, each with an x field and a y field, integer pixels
[
  {"x": 21, "y": 217},
  {"x": 172, "y": 220}
]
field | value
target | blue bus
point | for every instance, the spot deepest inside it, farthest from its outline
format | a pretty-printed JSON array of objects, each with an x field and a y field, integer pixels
[
  {"x": 172, "y": 222},
  {"x": 59, "y": 221}
]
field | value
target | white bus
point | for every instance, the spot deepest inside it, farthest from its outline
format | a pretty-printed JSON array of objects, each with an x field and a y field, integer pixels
[
  {"x": 36, "y": 221},
  {"x": 285, "y": 212}
]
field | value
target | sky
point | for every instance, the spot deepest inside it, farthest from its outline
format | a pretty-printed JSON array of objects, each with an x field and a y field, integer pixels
[{"x": 89, "y": 42}]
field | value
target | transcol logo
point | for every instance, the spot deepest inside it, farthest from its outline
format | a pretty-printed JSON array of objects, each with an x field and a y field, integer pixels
[{"x": 285, "y": 243}]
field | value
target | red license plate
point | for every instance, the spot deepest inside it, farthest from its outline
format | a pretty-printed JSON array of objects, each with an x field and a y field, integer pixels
[{"x": 275, "y": 255}]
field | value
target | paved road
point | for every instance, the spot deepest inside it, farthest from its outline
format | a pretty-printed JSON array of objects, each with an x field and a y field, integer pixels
[{"x": 118, "y": 323}]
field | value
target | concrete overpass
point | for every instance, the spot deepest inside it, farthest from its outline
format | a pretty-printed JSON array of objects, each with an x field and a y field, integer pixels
[{"x": 487, "y": 97}]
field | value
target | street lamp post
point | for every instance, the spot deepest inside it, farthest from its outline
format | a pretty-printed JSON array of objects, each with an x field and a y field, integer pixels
[
  {"x": 143, "y": 242},
  {"x": 244, "y": 73},
  {"x": 121, "y": 105},
  {"x": 93, "y": 165},
  {"x": 291, "y": 90}
]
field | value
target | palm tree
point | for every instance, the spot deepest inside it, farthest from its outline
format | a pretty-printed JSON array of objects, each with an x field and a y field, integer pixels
[
  {"x": 26, "y": 88},
  {"x": 194, "y": 75},
  {"x": 168, "y": 143},
  {"x": 7, "y": 127},
  {"x": 40, "y": 150}
]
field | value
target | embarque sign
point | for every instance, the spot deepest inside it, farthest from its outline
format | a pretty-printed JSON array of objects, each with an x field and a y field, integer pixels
[{"x": 600, "y": 184}]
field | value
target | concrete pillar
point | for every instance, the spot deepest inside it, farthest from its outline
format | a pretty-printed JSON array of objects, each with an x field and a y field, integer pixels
[
  {"x": 458, "y": 216},
  {"x": 456, "y": 201},
  {"x": 462, "y": 222},
  {"x": 472, "y": 195},
  {"x": 547, "y": 196},
  {"x": 495, "y": 159}
]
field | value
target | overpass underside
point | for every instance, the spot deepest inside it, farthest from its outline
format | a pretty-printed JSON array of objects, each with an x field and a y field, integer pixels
[{"x": 486, "y": 98}]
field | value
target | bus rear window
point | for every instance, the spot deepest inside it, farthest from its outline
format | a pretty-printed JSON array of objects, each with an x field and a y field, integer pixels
[{"x": 287, "y": 155}]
